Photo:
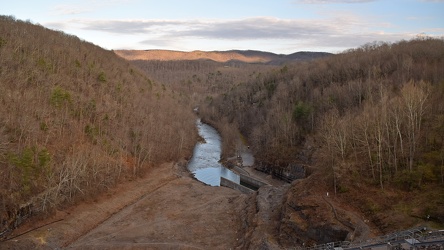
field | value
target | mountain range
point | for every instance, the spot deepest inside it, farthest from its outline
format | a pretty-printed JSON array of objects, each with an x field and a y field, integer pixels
[{"x": 247, "y": 56}]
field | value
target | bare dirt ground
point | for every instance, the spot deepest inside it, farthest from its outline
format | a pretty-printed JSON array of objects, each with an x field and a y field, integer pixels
[{"x": 167, "y": 209}]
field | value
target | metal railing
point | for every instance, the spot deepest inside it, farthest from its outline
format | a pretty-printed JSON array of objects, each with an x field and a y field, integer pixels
[{"x": 419, "y": 234}]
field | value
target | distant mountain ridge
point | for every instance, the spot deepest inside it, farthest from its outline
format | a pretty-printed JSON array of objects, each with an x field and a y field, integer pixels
[{"x": 247, "y": 56}]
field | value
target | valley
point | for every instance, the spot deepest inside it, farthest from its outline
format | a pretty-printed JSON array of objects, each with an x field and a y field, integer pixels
[{"x": 95, "y": 144}]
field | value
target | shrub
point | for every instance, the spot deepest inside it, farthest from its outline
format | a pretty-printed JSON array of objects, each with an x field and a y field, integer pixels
[
  {"x": 301, "y": 114},
  {"x": 407, "y": 180},
  {"x": 2, "y": 42},
  {"x": 59, "y": 97},
  {"x": 31, "y": 164},
  {"x": 102, "y": 77}
]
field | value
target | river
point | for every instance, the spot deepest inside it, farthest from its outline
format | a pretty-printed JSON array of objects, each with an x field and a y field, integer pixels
[{"x": 205, "y": 164}]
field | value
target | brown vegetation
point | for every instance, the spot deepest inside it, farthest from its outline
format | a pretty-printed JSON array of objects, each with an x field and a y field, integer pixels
[
  {"x": 199, "y": 80},
  {"x": 76, "y": 119},
  {"x": 367, "y": 118},
  {"x": 371, "y": 116}
]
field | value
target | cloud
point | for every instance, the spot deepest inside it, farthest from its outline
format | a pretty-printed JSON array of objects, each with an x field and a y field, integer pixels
[
  {"x": 131, "y": 26},
  {"x": 256, "y": 28},
  {"x": 249, "y": 28},
  {"x": 335, "y": 31}
]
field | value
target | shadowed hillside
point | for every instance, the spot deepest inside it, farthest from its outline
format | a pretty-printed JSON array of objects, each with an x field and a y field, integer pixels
[{"x": 76, "y": 119}]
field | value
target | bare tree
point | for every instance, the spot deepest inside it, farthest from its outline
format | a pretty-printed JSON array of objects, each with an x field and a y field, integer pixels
[{"x": 414, "y": 96}]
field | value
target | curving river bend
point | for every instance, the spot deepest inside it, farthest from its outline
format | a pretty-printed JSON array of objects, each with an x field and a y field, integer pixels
[{"x": 205, "y": 164}]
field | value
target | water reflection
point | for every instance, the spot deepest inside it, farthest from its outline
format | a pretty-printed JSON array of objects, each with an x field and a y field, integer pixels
[{"x": 205, "y": 161}]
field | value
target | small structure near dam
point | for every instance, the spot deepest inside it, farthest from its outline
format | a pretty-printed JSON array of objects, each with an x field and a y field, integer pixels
[{"x": 247, "y": 184}]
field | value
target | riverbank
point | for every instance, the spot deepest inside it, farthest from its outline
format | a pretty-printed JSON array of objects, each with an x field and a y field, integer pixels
[{"x": 165, "y": 209}]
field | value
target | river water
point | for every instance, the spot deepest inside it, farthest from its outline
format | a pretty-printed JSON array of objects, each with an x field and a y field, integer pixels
[{"x": 205, "y": 164}]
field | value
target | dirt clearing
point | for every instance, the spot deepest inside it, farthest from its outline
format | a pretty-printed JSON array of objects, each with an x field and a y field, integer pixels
[{"x": 167, "y": 209}]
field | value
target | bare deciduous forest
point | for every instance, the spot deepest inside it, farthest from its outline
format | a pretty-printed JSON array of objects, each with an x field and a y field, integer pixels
[
  {"x": 371, "y": 117},
  {"x": 77, "y": 119}
]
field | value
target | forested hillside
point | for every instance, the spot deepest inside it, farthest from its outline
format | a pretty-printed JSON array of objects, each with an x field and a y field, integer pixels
[
  {"x": 200, "y": 79},
  {"x": 371, "y": 117},
  {"x": 368, "y": 118},
  {"x": 76, "y": 119}
]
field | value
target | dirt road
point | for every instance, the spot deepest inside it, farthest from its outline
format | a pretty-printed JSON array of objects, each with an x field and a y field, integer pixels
[{"x": 167, "y": 209}]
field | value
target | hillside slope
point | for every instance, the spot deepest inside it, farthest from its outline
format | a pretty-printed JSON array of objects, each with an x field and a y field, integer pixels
[
  {"x": 75, "y": 120},
  {"x": 369, "y": 120}
]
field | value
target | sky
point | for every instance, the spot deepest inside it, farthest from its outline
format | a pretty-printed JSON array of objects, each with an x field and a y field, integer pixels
[{"x": 279, "y": 26}]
